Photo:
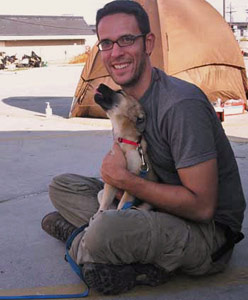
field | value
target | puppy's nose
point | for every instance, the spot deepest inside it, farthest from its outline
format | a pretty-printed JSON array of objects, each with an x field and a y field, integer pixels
[{"x": 98, "y": 97}]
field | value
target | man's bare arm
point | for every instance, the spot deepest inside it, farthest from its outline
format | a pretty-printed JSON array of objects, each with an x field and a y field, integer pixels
[{"x": 196, "y": 199}]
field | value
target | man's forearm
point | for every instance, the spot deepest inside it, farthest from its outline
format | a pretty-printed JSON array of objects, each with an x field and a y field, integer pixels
[{"x": 174, "y": 199}]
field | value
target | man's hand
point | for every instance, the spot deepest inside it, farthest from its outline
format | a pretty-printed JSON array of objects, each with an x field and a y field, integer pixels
[{"x": 114, "y": 167}]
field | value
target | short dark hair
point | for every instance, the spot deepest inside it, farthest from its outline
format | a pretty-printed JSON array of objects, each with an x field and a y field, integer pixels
[{"x": 128, "y": 7}]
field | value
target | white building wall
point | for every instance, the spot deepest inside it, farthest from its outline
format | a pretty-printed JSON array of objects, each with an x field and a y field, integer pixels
[
  {"x": 244, "y": 45},
  {"x": 52, "y": 54}
]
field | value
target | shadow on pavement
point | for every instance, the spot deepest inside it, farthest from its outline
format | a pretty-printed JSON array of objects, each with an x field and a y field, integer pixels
[{"x": 60, "y": 105}]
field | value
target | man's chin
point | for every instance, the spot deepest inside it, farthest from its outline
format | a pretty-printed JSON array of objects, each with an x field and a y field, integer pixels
[{"x": 124, "y": 82}]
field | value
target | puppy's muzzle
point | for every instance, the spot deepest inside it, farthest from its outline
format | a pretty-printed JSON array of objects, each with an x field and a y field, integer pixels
[{"x": 105, "y": 97}]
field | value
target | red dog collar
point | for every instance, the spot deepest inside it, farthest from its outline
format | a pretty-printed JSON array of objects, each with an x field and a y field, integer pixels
[{"x": 121, "y": 140}]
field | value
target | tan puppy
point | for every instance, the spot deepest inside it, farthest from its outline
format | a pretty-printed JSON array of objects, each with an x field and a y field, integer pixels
[{"x": 125, "y": 113}]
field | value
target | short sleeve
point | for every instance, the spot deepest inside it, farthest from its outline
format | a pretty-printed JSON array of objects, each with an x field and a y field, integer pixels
[{"x": 189, "y": 128}]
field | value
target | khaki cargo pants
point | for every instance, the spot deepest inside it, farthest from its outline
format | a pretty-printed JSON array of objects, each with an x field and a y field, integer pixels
[{"x": 131, "y": 236}]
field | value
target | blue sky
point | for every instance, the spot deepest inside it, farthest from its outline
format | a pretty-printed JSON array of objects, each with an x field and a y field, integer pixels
[{"x": 88, "y": 8}]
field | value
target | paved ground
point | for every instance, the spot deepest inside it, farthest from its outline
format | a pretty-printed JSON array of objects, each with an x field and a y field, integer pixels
[{"x": 34, "y": 148}]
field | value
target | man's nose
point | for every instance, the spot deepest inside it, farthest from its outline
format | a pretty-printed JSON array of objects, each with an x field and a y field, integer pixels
[{"x": 116, "y": 50}]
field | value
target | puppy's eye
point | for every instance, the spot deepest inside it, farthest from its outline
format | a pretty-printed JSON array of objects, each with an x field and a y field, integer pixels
[
  {"x": 140, "y": 120},
  {"x": 141, "y": 123}
]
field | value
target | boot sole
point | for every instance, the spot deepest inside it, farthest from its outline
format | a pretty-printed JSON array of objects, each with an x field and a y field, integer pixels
[{"x": 109, "y": 279}]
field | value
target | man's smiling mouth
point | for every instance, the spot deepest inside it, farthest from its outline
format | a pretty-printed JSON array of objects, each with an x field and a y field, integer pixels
[{"x": 121, "y": 66}]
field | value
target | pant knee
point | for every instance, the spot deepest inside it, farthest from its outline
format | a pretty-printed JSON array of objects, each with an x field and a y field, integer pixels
[
  {"x": 59, "y": 179},
  {"x": 57, "y": 184},
  {"x": 101, "y": 231},
  {"x": 113, "y": 236},
  {"x": 73, "y": 185}
]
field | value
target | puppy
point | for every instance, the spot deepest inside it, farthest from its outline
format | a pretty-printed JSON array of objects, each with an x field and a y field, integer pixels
[{"x": 125, "y": 113}]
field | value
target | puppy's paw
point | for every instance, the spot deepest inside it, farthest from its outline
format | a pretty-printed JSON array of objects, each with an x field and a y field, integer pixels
[{"x": 96, "y": 215}]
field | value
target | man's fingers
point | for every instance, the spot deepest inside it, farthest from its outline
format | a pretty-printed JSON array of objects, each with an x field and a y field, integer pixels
[{"x": 116, "y": 146}]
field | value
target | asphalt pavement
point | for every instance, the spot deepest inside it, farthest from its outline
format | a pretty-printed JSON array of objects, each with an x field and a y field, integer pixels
[{"x": 35, "y": 148}]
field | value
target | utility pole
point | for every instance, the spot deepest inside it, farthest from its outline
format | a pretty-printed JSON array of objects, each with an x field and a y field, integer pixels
[
  {"x": 230, "y": 12},
  {"x": 224, "y": 9}
]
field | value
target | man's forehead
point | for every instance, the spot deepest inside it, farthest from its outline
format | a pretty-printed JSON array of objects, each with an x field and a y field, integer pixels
[{"x": 116, "y": 25}]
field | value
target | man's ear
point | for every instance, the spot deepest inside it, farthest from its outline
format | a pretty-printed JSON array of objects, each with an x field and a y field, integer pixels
[{"x": 150, "y": 42}]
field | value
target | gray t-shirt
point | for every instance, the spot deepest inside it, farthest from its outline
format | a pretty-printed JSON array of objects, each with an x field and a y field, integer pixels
[{"x": 182, "y": 130}]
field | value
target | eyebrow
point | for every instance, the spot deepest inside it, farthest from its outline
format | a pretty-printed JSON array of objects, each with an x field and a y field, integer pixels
[{"x": 117, "y": 38}]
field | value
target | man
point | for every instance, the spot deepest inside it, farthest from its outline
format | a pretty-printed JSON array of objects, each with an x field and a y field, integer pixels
[{"x": 198, "y": 201}]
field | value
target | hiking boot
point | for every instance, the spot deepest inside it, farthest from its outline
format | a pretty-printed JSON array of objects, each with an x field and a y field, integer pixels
[
  {"x": 116, "y": 279},
  {"x": 57, "y": 226}
]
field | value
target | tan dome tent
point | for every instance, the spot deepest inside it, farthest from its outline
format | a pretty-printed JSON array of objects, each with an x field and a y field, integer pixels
[{"x": 193, "y": 42}]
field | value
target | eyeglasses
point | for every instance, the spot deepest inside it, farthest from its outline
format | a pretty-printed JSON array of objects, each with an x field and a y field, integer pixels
[{"x": 123, "y": 41}]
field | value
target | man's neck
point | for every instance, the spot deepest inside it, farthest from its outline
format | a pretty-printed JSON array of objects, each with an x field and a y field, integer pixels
[{"x": 139, "y": 89}]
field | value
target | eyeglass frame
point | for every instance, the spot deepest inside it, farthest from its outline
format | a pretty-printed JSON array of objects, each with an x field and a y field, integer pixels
[{"x": 134, "y": 37}]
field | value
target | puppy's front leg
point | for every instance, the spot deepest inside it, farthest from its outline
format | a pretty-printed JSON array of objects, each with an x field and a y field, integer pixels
[
  {"x": 106, "y": 196},
  {"x": 124, "y": 199}
]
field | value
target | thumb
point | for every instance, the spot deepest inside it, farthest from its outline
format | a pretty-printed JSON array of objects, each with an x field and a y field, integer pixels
[{"x": 116, "y": 147}]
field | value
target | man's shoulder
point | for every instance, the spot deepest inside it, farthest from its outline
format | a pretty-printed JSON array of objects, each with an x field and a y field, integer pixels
[
  {"x": 175, "y": 90},
  {"x": 174, "y": 84}
]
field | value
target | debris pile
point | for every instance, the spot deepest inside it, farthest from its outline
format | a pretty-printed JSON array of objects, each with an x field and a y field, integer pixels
[{"x": 27, "y": 61}]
